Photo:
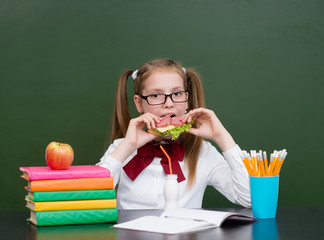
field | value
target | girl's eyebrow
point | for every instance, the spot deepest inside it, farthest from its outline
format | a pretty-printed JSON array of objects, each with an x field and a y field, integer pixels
[
  {"x": 158, "y": 90},
  {"x": 155, "y": 90}
]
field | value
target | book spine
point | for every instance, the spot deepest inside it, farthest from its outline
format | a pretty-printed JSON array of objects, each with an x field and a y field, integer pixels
[
  {"x": 72, "y": 205},
  {"x": 69, "y": 217},
  {"x": 74, "y": 195},
  {"x": 71, "y": 184}
]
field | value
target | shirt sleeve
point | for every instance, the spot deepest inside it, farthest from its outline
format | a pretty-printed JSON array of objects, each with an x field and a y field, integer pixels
[
  {"x": 229, "y": 175},
  {"x": 109, "y": 162}
]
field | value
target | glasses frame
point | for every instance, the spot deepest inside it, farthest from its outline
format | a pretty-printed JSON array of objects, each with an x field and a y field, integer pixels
[{"x": 165, "y": 97}]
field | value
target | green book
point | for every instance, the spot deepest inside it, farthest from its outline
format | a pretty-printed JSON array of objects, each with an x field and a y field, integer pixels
[
  {"x": 69, "y": 217},
  {"x": 72, "y": 195}
]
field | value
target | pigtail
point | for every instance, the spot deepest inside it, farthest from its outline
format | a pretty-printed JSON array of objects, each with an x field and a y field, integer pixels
[
  {"x": 193, "y": 143},
  {"x": 195, "y": 88},
  {"x": 121, "y": 115}
]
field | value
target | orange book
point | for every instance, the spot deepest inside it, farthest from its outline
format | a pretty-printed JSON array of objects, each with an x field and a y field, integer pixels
[{"x": 70, "y": 184}]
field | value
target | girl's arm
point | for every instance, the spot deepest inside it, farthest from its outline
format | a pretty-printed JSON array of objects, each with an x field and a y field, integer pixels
[
  {"x": 107, "y": 161},
  {"x": 209, "y": 127},
  {"x": 227, "y": 173}
]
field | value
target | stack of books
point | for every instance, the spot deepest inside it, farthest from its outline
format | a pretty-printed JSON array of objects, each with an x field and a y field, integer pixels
[{"x": 81, "y": 194}]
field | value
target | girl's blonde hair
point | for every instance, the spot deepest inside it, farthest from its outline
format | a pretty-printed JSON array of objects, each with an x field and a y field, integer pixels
[{"x": 192, "y": 83}]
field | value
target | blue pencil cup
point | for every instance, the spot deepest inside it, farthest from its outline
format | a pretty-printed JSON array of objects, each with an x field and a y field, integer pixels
[{"x": 264, "y": 196}]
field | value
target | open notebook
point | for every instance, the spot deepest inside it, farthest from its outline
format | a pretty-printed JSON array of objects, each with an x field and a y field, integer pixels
[{"x": 182, "y": 220}]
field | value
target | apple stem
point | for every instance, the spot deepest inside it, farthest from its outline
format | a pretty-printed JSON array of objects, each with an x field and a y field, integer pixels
[{"x": 59, "y": 141}]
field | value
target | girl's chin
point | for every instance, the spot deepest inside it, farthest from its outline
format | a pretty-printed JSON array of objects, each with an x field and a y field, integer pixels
[{"x": 162, "y": 138}]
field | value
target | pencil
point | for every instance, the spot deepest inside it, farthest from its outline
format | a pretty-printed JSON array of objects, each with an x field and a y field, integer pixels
[
  {"x": 265, "y": 163},
  {"x": 247, "y": 163},
  {"x": 270, "y": 161},
  {"x": 251, "y": 163},
  {"x": 273, "y": 162},
  {"x": 257, "y": 165},
  {"x": 261, "y": 164},
  {"x": 254, "y": 163},
  {"x": 277, "y": 164},
  {"x": 276, "y": 171}
]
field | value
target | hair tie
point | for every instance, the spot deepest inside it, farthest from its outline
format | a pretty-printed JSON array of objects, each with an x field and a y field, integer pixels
[{"x": 134, "y": 74}]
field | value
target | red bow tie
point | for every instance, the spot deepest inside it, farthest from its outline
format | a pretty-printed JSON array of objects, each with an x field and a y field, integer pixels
[{"x": 146, "y": 154}]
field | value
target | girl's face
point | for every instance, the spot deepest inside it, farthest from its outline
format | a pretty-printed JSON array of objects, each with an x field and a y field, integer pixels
[{"x": 162, "y": 82}]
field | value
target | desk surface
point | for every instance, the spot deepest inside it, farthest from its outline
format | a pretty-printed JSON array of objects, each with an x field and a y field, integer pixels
[{"x": 291, "y": 223}]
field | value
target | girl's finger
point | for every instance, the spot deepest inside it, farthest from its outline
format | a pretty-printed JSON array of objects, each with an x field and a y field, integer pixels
[
  {"x": 189, "y": 118},
  {"x": 184, "y": 118},
  {"x": 149, "y": 122},
  {"x": 194, "y": 113},
  {"x": 154, "y": 117},
  {"x": 151, "y": 119}
]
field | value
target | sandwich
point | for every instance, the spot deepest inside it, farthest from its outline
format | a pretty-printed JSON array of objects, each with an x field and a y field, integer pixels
[{"x": 171, "y": 126}]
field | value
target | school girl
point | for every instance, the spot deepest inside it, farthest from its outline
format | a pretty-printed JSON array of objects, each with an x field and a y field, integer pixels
[{"x": 137, "y": 164}]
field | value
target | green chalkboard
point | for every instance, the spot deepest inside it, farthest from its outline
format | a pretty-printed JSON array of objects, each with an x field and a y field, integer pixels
[{"x": 261, "y": 63}]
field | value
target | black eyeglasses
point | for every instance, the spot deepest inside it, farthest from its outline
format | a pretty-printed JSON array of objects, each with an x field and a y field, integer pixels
[{"x": 159, "y": 98}]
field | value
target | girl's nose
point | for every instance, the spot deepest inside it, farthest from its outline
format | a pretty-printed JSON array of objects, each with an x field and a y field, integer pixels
[{"x": 168, "y": 102}]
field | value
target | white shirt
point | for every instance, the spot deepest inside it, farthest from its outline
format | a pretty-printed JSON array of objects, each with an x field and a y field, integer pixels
[{"x": 226, "y": 173}]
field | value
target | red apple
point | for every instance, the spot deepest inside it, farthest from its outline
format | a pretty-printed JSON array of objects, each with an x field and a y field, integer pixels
[{"x": 59, "y": 155}]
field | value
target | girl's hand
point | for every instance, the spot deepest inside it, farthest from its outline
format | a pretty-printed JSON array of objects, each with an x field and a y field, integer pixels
[
  {"x": 136, "y": 136},
  {"x": 209, "y": 127}
]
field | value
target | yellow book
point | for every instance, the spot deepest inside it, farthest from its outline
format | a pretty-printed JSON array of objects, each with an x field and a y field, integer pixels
[{"x": 71, "y": 205}]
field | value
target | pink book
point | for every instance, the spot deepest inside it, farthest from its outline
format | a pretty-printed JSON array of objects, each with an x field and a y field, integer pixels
[{"x": 80, "y": 171}]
